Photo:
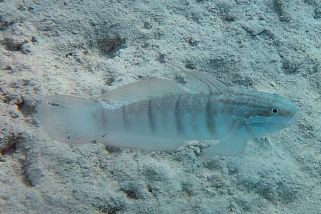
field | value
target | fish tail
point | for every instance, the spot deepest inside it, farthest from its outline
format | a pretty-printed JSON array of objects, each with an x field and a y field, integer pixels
[{"x": 71, "y": 119}]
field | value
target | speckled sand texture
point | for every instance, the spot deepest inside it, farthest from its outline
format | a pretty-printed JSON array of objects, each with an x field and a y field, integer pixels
[{"x": 85, "y": 48}]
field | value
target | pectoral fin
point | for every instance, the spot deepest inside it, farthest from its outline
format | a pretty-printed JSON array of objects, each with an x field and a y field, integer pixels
[{"x": 234, "y": 144}]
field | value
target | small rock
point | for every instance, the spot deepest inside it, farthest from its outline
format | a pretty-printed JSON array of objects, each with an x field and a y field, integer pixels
[
  {"x": 13, "y": 44},
  {"x": 5, "y": 22},
  {"x": 26, "y": 48}
]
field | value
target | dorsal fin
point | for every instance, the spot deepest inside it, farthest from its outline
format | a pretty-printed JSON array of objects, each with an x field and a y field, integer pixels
[
  {"x": 142, "y": 90},
  {"x": 200, "y": 82}
]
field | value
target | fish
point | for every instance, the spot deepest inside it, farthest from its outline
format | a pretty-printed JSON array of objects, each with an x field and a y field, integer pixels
[{"x": 161, "y": 115}]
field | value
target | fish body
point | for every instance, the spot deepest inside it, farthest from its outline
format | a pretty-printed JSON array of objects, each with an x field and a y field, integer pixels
[
  {"x": 203, "y": 116},
  {"x": 164, "y": 121}
]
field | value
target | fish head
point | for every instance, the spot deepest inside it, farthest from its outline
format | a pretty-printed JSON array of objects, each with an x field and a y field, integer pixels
[{"x": 270, "y": 113}]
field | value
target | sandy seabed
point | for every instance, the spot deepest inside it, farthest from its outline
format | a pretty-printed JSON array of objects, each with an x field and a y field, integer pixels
[{"x": 86, "y": 48}]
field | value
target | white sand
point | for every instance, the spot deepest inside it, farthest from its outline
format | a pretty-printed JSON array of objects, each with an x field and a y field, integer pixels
[{"x": 84, "y": 48}]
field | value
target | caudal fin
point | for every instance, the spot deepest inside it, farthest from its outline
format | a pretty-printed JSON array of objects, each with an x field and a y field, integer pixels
[{"x": 71, "y": 119}]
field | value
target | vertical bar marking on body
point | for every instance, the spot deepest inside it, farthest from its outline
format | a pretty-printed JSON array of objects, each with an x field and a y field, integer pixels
[
  {"x": 125, "y": 118},
  {"x": 177, "y": 115},
  {"x": 150, "y": 116},
  {"x": 101, "y": 118},
  {"x": 210, "y": 116},
  {"x": 195, "y": 113}
]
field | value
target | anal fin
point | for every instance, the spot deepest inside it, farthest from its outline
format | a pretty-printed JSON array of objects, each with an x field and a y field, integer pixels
[{"x": 147, "y": 143}]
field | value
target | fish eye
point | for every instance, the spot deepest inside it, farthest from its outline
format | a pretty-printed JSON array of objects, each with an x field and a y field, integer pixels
[{"x": 275, "y": 110}]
